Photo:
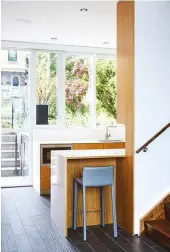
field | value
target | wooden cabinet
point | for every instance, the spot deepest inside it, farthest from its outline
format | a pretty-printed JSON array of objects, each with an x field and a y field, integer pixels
[
  {"x": 91, "y": 146},
  {"x": 87, "y": 146},
  {"x": 115, "y": 145},
  {"x": 45, "y": 175},
  {"x": 45, "y": 171}
]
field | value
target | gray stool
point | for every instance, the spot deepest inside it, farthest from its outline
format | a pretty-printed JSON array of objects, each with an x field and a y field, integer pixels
[{"x": 95, "y": 177}]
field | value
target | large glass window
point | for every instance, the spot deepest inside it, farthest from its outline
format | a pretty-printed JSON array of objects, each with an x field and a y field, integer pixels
[
  {"x": 77, "y": 90},
  {"x": 46, "y": 73},
  {"x": 106, "y": 92}
]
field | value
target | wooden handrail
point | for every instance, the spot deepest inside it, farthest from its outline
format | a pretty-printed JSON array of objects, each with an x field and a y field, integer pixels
[{"x": 153, "y": 138}]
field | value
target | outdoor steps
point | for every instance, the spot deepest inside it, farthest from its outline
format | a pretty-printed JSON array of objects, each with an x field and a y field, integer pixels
[
  {"x": 9, "y": 162},
  {"x": 9, "y": 154},
  {"x": 9, "y": 165},
  {"x": 7, "y": 146},
  {"x": 159, "y": 230}
]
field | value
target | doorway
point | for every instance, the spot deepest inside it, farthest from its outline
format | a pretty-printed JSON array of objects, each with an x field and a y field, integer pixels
[{"x": 15, "y": 119}]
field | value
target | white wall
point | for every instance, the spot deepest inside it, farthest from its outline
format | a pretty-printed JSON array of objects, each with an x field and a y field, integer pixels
[
  {"x": 152, "y": 103},
  {"x": 50, "y": 134}
]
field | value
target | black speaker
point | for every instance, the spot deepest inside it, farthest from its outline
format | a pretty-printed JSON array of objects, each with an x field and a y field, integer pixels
[{"x": 41, "y": 114}]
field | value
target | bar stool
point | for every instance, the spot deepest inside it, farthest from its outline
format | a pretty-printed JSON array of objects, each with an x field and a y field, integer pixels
[{"x": 95, "y": 177}]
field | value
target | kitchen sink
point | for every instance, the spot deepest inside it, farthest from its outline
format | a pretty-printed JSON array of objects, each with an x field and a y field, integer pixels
[{"x": 109, "y": 141}]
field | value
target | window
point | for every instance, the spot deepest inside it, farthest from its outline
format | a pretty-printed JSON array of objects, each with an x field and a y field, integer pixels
[
  {"x": 12, "y": 56},
  {"x": 106, "y": 92},
  {"x": 15, "y": 92},
  {"x": 46, "y": 72},
  {"x": 15, "y": 81},
  {"x": 77, "y": 88}
]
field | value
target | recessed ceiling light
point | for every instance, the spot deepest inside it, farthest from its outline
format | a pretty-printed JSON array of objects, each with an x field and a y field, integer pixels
[
  {"x": 54, "y": 38},
  {"x": 105, "y": 43},
  {"x": 84, "y": 10}
]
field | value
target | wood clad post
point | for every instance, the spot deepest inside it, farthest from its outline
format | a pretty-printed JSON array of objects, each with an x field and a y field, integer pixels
[{"x": 125, "y": 85}]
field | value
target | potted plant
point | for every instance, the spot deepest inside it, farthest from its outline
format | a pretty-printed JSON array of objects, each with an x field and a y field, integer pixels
[{"x": 43, "y": 91}]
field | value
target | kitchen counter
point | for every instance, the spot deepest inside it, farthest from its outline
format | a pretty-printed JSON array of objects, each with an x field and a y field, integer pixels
[
  {"x": 79, "y": 141},
  {"x": 99, "y": 153},
  {"x": 65, "y": 167}
]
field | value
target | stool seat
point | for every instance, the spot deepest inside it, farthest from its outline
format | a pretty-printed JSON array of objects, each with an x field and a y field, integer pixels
[
  {"x": 95, "y": 177},
  {"x": 79, "y": 180}
]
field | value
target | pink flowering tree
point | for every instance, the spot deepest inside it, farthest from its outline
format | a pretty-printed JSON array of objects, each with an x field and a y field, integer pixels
[{"x": 76, "y": 86}]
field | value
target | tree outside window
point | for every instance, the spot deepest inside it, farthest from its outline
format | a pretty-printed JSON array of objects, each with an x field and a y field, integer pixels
[{"x": 77, "y": 89}]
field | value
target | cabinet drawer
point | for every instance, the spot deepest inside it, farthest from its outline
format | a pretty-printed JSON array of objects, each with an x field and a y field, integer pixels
[
  {"x": 87, "y": 146},
  {"x": 118, "y": 145}
]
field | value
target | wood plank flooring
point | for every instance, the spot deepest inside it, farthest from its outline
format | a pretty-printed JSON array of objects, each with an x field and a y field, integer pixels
[{"x": 26, "y": 226}]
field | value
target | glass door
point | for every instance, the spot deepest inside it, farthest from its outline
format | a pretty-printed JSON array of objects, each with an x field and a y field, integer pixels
[{"x": 15, "y": 118}]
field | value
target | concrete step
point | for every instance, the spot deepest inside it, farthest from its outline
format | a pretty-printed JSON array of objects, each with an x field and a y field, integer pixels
[
  {"x": 9, "y": 154},
  {"x": 8, "y": 146},
  {"x": 10, "y": 168},
  {"x": 9, "y": 162},
  {"x": 8, "y": 138},
  {"x": 10, "y": 172}
]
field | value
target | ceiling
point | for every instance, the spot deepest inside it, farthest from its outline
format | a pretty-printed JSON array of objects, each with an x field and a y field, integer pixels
[{"x": 39, "y": 21}]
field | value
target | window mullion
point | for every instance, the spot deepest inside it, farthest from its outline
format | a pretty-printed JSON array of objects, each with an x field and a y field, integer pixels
[
  {"x": 60, "y": 97},
  {"x": 93, "y": 91}
]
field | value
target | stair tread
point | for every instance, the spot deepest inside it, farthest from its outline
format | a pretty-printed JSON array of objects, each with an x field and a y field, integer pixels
[
  {"x": 9, "y": 150},
  {"x": 8, "y": 143},
  {"x": 163, "y": 226},
  {"x": 10, "y": 168},
  {"x": 9, "y": 159}
]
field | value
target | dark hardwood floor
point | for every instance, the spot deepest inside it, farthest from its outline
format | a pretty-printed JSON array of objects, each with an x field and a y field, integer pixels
[{"x": 26, "y": 226}]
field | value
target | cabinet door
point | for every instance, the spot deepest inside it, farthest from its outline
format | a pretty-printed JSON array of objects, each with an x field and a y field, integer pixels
[
  {"x": 45, "y": 172},
  {"x": 116, "y": 145},
  {"x": 87, "y": 146}
]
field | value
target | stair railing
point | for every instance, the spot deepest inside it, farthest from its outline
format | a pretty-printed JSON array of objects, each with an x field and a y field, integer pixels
[{"x": 144, "y": 147}]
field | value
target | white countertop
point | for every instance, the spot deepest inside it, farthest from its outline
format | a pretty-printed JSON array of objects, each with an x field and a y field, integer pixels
[
  {"x": 98, "y": 153},
  {"x": 80, "y": 141}
]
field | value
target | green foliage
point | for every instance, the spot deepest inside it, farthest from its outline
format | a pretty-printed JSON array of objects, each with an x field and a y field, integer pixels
[
  {"x": 77, "y": 83},
  {"x": 106, "y": 87}
]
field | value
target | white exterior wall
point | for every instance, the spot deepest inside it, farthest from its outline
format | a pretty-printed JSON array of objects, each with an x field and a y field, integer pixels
[{"x": 152, "y": 103}]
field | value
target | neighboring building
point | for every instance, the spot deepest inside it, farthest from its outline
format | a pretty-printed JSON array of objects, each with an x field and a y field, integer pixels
[{"x": 14, "y": 87}]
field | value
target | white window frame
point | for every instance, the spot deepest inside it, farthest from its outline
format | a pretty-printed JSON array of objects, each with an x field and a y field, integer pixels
[{"x": 60, "y": 79}]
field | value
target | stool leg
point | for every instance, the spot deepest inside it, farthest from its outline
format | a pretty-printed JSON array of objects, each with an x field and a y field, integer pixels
[
  {"x": 114, "y": 212},
  {"x": 103, "y": 208},
  {"x": 75, "y": 204},
  {"x": 84, "y": 213}
]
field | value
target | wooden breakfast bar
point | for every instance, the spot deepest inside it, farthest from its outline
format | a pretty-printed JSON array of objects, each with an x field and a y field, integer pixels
[{"x": 65, "y": 167}]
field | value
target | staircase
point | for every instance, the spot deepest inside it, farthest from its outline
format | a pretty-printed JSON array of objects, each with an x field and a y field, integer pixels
[
  {"x": 159, "y": 230},
  {"x": 10, "y": 162}
]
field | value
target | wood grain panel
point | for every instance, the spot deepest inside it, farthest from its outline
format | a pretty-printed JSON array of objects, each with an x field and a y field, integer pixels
[
  {"x": 45, "y": 172},
  {"x": 119, "y": 145},
  {"x": 156, "y": 213},
  {"x": 44, "y": 184},
  {"x": 93, "y": 196},
  {"x": 87, "y": 146},
  {"x": 125, "y": 111}
]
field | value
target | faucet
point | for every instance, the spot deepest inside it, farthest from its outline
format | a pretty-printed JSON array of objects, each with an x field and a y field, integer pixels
[{"x": 107, "y": 135}]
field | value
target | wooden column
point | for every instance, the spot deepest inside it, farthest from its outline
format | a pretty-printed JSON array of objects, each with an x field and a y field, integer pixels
[{"x": 125, "y": 85}]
